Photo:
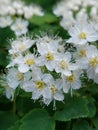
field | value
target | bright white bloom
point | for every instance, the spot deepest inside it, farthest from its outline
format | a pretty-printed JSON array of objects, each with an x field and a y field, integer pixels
[
  {"x": 48, "y": 54},
  {"x": 26, "y": 63},
  {"x": 15, "y": 78},
  {"x": 17, "y": 8},
  {"x": 38, "y": 85},
  {"x": 66, "y": 22},
  {"x": 90, "y": 61},
  {"x": 63, "y": 64},
  {"x": 5, "y": 21},
  {"x": 73, "y": 11},
  {"x": 92, "y": 58},
  {"x": 20, "y": 45},
  {"x": 33, "y": 10},
  {"x": 82, "y": 33},
  {"x": 8, "y": 91},
  {"x": 71, "y": 82},
  {"x": 55, "y": 90},
  {"x": 81, "y": 51},
  {"x": 20, "y": 26},
  {"x": 82, "y": 55}
]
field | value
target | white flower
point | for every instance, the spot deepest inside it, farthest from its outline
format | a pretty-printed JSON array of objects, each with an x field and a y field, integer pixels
[
  {"x": 78, "y": 9},
  {"x": 38, "y": 86},
  {"x": 20, "y": 26},
  {"x": 90, "y": 61},
  {"x": 26, "y": 63},
  {"x": 55, "y": 92},
  {"x": 63, "y": 64},
  {"x": 5, "y": 21},
  {"x": 20, "y": 45},
  {"x": 92, "y": 58},
  {"x": 71, "y": 82},
  {"x": 84, "y": 54},
  {"x": 48, "y": 54},
  {"x": 33, "y": 10},
  {"x": 82, "y": 33},
  {"x": 66, "y": 22},
  {"x": 15, "y": 78}
]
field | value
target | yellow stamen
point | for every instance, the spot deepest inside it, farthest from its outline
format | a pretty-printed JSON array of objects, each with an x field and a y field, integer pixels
[
  {"x": 49, "y": 56},
  {"x": 82, "y": 53},
  {"x": 71, "y": 78},
  {"x": 93, "y": 62},
  {"x": 20, "y": 76},
  {"x": 63, "y": 64},
  {"x": 53, "y": 89},
  {"x": 29, "y": 61},
  {"x": 39, "y": 84},
  {"x": 20, "y": 27},
  {"x": 82, "y": 35},
  {"x": 22, "y": 47}
]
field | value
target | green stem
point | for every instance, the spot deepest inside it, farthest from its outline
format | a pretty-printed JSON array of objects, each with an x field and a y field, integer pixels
[{"x": 14, "y": 105}]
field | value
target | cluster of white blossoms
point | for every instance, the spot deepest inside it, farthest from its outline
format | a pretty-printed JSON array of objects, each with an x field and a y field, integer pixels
[
  {"x": 15, "y": 13},
  {"x": 44, "y": 67},
  {"x": 72, "y": 11}
]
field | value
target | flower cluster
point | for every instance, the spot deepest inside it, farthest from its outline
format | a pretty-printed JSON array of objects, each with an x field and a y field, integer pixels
[
  {"x": 73, "y": 11},
  {"x": 15, "y": 14},
  {"x": 44, "y": 67}
]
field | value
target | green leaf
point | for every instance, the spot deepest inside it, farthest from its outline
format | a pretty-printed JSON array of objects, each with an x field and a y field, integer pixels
[
  {"x": 75, "y": 107},
  {"x": 37, "y": 119},
  {"x": 91, "y": 107},
  {"x": 82, "y": 125},
  {"x": 7, "y": 119},
  {"x": 1, "y": 90},
  {"x": 24, "y": 105},
  {"x": 15, "y": 126},
  {"x": 47, "y": 18},
  {"x": 95, "y": 122}
]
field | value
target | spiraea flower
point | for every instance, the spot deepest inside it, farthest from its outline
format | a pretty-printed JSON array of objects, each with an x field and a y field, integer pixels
[
  {"x": 63, "y": 64},
  {"x": 15, "y": 14},
  {"x": 47, "y": 55},
  {"x": 15, "y": 78},
  {"x": 82, "y": 33},
  {"x": 26, "y": 63},
  {"x": 20, "y": 26},
  {"x": 55, "y": 92},
  {"x": 41, "y": 67},
  {"x": 71, "y": 82},
  {"x": 73, "y": 11},
  {"x": 20, "y": 45}
]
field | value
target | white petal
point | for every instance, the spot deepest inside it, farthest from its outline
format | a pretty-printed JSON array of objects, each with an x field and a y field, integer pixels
[
  {"x": 23, "y": 68},
  {"x": 59, "y": 96}
]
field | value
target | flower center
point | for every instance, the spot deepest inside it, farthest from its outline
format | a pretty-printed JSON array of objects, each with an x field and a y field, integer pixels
[
  {"x": 29, "y": 61},
  {"x": 93, "y": 62},
  {"x": 71, "y": 78},
  {"x": 82, "y": 35},
  {"x": 22, "y": 47},
  {"x": 20, "y": 76},
  {"x": 82, "y": 53},
  {"x": 49, "y": 56},
  {"x": 53, "y": 89},
  {"x": 63, "y": 64},
  {"x": 39, "y": 84},
  {"x": 20, "y": 27}
]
